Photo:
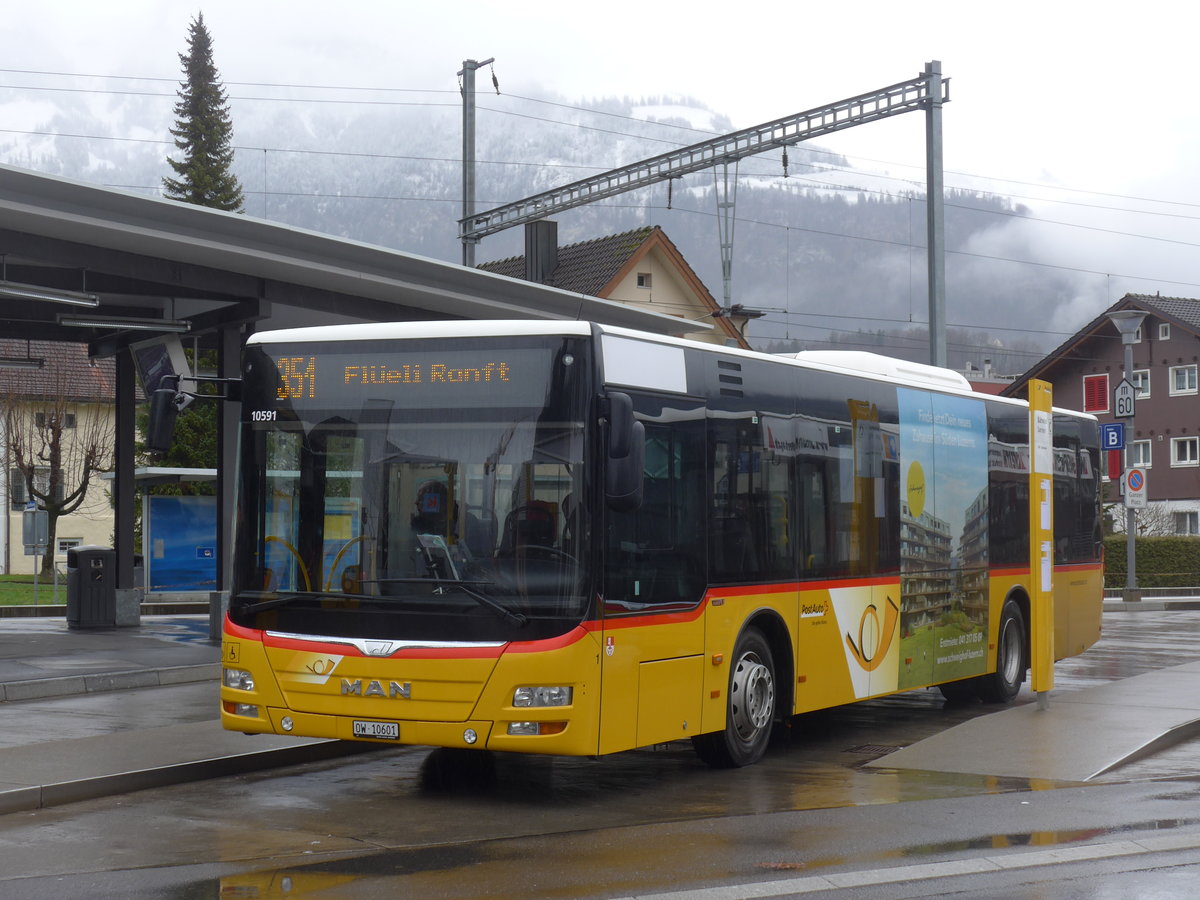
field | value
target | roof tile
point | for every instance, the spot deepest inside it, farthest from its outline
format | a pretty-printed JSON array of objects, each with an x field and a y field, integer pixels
[
  {"x": 67, "y": 371},
  {"x": 585, "y": 267}
]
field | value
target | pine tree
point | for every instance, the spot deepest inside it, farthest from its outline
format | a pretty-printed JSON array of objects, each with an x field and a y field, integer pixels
[{"x": 203, "y": 131}]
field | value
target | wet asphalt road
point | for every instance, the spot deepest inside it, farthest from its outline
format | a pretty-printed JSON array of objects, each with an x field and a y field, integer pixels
[{"x": 420, "y": 823}]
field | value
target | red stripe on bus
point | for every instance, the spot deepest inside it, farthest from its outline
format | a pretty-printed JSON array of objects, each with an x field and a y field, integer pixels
[
  {"x": 642, "y": 620},
  {"x": 240, "y": 631},
  {"x": 1066, "y": 567},
  {"x": 825, "y": 585},
  {"x": 574, "y": 636}
]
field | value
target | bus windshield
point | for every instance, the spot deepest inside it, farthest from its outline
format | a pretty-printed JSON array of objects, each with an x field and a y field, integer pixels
[{"x": 378, "y": 501}]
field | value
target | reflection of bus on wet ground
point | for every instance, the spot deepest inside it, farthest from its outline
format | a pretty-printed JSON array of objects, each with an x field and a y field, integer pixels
[{"x": 571, "y": 539}]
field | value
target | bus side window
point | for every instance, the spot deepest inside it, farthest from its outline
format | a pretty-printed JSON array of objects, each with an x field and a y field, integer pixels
[
  {"x": 750, "y": 528},
  {"x": 655, "y": 554},
  {"x": 813, "y": 516}
]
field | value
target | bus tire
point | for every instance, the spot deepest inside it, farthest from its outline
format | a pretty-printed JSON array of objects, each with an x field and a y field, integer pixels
[
  {"x": 959, "y": 691},
  {"x": 1002, "y": 685},
  {"x": 750, "y": 707}
]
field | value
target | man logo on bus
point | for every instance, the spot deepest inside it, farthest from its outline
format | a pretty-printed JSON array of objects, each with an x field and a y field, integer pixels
[{"x": 874, "y": 642}]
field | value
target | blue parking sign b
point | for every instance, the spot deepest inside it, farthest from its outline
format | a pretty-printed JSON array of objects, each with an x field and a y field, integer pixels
[{"x": 1112, "y": 436}]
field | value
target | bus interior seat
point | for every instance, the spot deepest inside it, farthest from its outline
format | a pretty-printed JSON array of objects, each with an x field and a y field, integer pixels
[
  {"x": 732, "y": 546},
  {"x": 532, "y": 525}
]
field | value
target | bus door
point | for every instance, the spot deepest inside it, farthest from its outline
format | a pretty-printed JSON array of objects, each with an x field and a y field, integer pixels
[{"x": 652, "y": 587}]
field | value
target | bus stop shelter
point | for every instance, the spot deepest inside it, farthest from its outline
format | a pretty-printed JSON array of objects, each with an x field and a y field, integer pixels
[{"x": 86, "y": 264}]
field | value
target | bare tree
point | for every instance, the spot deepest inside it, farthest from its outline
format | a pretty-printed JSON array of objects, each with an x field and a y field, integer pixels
[
  {"x": 1153, "y": 520},
  {"x": 58, "y": 436}
]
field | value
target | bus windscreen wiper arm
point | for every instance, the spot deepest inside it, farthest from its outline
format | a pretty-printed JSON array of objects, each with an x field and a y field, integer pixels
[
  {"x": 465, "y": 587},
  {"x": 282, "y": 600},
  {"x": 286, "y": 599}
]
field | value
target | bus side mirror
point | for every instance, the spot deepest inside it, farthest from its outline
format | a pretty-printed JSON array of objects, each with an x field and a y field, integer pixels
[
  {"x": 164, "y": 410},
  {"x": 620, "y": 424},
  {"x": 626, "y": 455}
]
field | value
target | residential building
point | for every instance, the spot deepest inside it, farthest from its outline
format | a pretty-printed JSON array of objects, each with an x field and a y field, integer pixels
[
  {"x": 640, "y": 268},
  {"x": 987, "y": 380},
  {"x": 48, "y": 387},
  {"x": 926, "y": 573},
  {"x": 1164, "y": 436}
]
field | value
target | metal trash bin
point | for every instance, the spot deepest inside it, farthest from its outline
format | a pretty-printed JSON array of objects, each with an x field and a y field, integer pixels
[{"x": 91, "y": 587}]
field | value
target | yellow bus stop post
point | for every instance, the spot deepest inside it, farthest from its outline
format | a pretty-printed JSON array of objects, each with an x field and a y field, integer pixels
[{"x": 1041, "y": 540}]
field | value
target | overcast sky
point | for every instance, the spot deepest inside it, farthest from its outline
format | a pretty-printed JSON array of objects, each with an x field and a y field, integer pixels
[{"x": 1090, "y": 105}]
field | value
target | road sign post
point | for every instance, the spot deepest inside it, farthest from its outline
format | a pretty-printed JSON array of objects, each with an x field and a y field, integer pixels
[
  {"x": 1128, "y": 322},
  {"x": 35, "y": 530}
]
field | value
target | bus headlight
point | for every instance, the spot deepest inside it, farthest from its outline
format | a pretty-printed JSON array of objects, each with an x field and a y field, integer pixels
[
  {"x": 542, "y": 696},
  {"x": 237, "y": 678}
]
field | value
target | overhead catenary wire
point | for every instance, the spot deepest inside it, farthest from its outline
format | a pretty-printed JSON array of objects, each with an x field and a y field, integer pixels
[
  {"x": 809, "y": 180},
  {"x": 594, "y": 112},
  {"x": 643, "y": 122}
]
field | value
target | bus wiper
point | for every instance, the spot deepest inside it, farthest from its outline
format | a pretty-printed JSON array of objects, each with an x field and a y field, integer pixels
[
  {"x": 286, "y": 599},
  {"x": 465, "y": 586},
  {"x": 274, "y": 602}
]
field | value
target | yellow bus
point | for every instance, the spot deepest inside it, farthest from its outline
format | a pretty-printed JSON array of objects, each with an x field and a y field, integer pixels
[{"x": 567, "y": 538}]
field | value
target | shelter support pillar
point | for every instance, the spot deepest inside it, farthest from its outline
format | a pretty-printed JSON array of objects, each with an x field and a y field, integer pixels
[
  {"x": 123, "y": 482},
  {"x": 229, "y": 353}
]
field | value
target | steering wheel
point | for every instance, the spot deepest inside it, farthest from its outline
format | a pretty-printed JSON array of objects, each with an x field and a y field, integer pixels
[{"x": 541, "y": 550}]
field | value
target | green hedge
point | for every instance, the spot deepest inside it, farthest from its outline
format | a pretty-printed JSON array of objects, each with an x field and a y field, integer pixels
[{"x": 1161, "y": 561}]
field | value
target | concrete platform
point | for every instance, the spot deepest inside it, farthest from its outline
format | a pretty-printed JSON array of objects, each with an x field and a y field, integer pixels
[
  {"x": 66, "y": 771},
  {"x": 87, "y": 714},
  {"x": 1079, "y": 736}
]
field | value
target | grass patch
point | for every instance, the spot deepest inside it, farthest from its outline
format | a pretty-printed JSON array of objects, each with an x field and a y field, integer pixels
[{"x": 17, "y": 590}]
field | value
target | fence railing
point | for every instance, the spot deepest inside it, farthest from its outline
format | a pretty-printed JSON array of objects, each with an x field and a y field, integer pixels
[{"x": 1148, "y": 593}]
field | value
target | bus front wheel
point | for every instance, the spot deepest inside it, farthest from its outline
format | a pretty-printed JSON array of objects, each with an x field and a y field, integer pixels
[{"x": 750, "y": 707}]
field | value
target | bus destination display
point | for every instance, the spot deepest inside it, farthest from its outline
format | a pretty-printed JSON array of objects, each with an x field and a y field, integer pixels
[{"x": 514, "y": 376}]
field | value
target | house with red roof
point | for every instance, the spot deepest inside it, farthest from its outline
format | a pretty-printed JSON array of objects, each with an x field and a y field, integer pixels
[{"x": 641, "y": 268}]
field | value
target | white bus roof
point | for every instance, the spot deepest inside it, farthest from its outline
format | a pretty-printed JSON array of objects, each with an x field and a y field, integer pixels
[
  {"x": 374, "y": 331},
  {"x": 852, "y": 362},
  {"x": 862, "y": 362}
]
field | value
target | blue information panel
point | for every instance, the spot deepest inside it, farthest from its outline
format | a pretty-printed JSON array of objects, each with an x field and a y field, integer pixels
[{"x": 180, "y": 553}]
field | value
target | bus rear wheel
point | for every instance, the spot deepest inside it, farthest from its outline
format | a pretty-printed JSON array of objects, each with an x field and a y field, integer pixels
[
  {"x": 1002, "y": 685},
  {"x": 750, "y": 709}
]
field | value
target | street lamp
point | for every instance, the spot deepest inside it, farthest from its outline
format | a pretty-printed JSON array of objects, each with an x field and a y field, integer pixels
[{"x": 1127, "y": 322}]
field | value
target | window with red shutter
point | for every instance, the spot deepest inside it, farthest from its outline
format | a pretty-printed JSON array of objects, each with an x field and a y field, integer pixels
[{"x": 1095, "y": 393}]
